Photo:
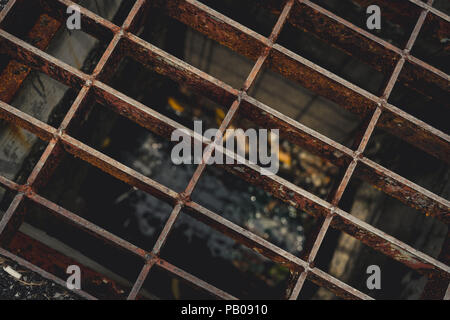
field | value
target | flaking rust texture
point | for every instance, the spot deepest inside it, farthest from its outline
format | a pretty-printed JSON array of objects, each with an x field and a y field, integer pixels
[
  {"x": 122, "y": 42},
  {"x": 56, "y": 263}
]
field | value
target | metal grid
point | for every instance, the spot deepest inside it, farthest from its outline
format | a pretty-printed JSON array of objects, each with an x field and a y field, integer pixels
[{"x": 265, "y": 51}]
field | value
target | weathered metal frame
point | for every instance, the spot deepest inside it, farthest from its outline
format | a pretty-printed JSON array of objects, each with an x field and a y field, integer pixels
[{"x": 264, "y": 51}]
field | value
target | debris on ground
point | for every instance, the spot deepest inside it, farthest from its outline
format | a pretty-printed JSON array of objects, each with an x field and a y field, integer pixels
[{"x": 18, "y": 283}]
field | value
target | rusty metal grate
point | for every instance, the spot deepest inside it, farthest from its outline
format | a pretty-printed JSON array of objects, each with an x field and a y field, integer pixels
[{"x": 265, "y": 51}]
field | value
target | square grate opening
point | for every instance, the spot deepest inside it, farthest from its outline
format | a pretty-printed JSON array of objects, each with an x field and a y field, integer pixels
[{"x": 248, "y": 276}]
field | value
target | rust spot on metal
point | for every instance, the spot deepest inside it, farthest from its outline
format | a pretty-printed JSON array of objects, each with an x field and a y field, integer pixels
[{"x": 15, "y": 73}]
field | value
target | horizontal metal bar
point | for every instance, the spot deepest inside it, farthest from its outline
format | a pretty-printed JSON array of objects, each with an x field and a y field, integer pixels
[
  {"x": 175, "y": 271},
  {"x": 41, "y": 61},
  {"x": 194, "y": 280},
  {"x": 336, "y": 286},
  {"x": 152, "y": 120},
  {"x": 55, "y": 263},
  {"x": 8, "y": 184},
  {"x": 118, "y": 170},
  {"x": 266, "y": 248},
  {"x": 356, "y": 100},
  {"x": 224, "y": 94},
  {"x": 420, "y": 76},
  {"x": 135, "y": 111},
  {"x": 37, "y": 127},
  {"x": 15, "y": 73},
  {"x": 404, "y": 190},
  {"x": 321, "y": 81},
  {"x": 91, "y": 23},
  {"x": 388, "y": 245},
  {"x": 431, "y": 9},
  {"x": 432, "y": 140},
  {"x": 339, "y": 90},
  {"x": 97, "y": 159},
  {"x": 244, "y": 236},
  {"x": 416, "y": 132},
  {"x": 217, "y": 26},
  {"x": 294, "y": 131},
  {"x": 427, "y": 80},
  {"x": 310, "y": 17},
  {"x": 178, "y": 70},
  {"x": 357, "y": 42},
  {"x": 280, "y": 60},
  {"x": 359, "y": 101},
  {"x": 315, "y": 206},
  {"x": 83, "y": 224},
  {"x": 403, "y": 13},
  {"x": 276, "y": 185}
]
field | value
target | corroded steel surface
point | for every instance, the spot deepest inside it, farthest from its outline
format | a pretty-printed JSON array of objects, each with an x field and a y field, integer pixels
[{"x": 305, "y": 15}]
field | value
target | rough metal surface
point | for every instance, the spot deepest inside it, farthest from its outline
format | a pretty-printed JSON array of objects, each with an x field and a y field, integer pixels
[{"x": 265, "y": 52}]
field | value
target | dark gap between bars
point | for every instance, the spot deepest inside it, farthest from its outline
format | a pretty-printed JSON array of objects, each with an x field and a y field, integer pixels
[
  {"x": 161, "y": 284},
  {"x": 337, "y": 61},
  {"x": 391, "y": 270},
  {"x": 251, "y": 14},
  {"x": 393, "y": 22},
  {"x": 405, "y": 159},
  {"x": 383, "y": 211},
  {"x": 113, "y": 208},
  {"x": 186, "y": 43},
  {"x": 249, "y": 276},
  {"x": 300, "y": 106},
  {"x": 71, "y": 37},
  {"x": 140, "y": 149},
  {"x": 119, "y": 261},
  {"x": 434, "y": 49},
  {"x": 29, "y": 150}
]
